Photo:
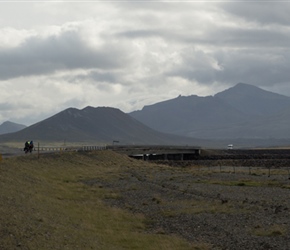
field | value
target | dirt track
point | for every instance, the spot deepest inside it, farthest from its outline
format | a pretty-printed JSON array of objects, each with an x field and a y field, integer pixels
[{"x": 218, "y": 209}]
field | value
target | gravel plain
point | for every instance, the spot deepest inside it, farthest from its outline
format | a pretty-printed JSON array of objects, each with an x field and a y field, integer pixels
[{"x": 211, "y": 203}]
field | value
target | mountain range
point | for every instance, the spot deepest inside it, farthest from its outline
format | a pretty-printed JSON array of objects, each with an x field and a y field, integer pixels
[
  {"x": 241, "y": 112},
  {"x": 91, "y": 125},
  {"x": 243, "y": 115}
]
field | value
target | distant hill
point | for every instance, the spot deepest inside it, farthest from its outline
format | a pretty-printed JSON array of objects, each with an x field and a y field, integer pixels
[
  {"x": 10, "y": 127},
  {"x": 241, "y": 112},
  {"x": 102, "y": 124}
]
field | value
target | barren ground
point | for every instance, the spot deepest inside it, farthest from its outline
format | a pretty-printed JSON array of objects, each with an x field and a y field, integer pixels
[{"x": 224, "y": 202}]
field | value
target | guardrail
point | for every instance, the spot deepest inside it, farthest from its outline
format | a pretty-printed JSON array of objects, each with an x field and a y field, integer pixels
[
  {"x": 92, "y": 148},
  {"x": 73, "y": 148}
]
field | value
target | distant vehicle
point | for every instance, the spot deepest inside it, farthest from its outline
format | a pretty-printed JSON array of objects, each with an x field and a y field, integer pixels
[{"x": 230, "y": 146}]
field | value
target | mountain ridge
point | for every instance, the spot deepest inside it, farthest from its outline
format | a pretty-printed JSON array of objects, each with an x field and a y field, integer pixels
[
  {"x": 243, "y": 111},
  {"x": 211, "y": 121},
  {"x": 91, "y": 125}
]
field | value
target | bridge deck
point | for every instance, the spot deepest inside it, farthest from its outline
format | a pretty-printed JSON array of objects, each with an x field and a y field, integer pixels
[{"x": 158, "y": 152}]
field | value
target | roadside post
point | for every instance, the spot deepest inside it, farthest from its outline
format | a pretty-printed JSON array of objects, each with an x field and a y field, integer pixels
[
  {"x": 0, "y": 157},
  {"x": 38, "y": 150}
]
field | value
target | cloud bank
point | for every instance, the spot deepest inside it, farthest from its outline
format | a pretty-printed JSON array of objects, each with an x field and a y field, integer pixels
[{"x": 128, "y": 54}]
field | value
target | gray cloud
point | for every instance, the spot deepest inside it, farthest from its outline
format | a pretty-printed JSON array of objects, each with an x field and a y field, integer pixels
[
  {"x": 38, "y": 56},
  {"x": 247, "y": 38},
  {"x": 261, "y": 68},
  {"x": 129, "y": 54},
  {"x": 264, "y": 13},
  {"x": 103, "y": 77}
]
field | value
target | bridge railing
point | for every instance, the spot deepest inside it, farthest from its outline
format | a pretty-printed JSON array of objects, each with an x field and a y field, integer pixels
[
  {"x": 69, "y": 148},
  {"x": 92, "y": 148}
]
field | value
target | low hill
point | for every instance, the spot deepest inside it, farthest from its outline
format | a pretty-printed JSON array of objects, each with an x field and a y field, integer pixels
[{"x": 10, "y": 127}]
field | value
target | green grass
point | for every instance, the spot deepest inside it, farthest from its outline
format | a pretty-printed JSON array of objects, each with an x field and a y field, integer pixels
[{"x": 46, "y": 205}]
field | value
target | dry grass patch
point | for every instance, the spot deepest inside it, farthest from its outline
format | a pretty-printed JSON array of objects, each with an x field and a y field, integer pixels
[
  {"x": 243, "y": 182},
  {"x": 271, "y": 231},
  {"x": 172, "y": 209},
  {"x": 45, "y": 205}
]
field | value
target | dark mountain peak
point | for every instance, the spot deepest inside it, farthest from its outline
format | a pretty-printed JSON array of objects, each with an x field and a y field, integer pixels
[
  {"x": 245, "y": 85},
  {"x": 253, "y": 100},
  {"x": 7, "y": 123},
  {"x": 70, "y": 112},
  {"x": 10, "y": 127},
  {"x": 68, "y": 116},
  {"x": 241, "y": 89},
  {"x": 91, "y": 108},
  {"x": 88, "y": 108},
  {"x": 186, "y": 97}
]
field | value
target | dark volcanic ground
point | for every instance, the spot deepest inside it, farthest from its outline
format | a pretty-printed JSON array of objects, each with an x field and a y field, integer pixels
[{"x": 218, "y": 201}]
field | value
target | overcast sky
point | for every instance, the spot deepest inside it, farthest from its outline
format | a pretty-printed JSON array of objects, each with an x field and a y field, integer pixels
[{"x": 127, "y": 54}]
